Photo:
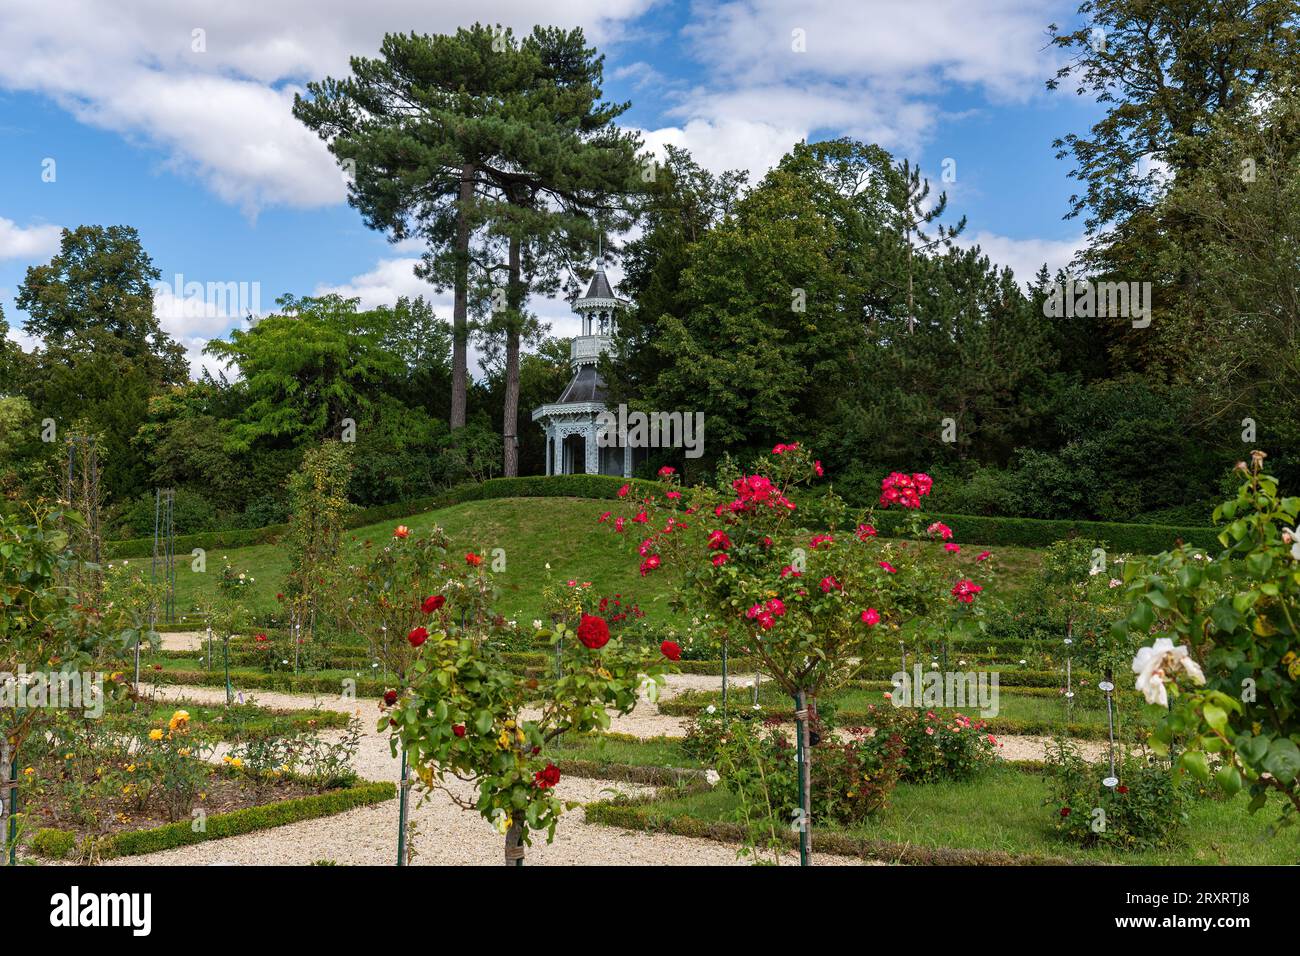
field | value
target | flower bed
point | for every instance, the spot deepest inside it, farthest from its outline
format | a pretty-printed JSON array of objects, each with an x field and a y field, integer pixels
[{"x": 276, "y": 809}]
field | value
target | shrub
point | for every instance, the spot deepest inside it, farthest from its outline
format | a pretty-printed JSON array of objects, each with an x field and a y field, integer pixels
[
  {"x": 936, "y": 745},
  {"x": 1146, "y": 810},
  {"x": 852, "y": 779}
]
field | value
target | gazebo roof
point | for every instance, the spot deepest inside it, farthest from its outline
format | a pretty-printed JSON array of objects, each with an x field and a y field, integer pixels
[
  {"x": 585, "y": 387},
  {"x": 599, "y": 288}
]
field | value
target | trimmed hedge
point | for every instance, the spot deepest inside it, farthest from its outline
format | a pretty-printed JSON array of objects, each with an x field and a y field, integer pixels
[
  {"x": 1040, "y": 532},
  {"x": 535, "y": 486},
  {"x": 975, "y": 529},
  {"x": 58, "y": 843},
  {"x": 287, "y": 682}
]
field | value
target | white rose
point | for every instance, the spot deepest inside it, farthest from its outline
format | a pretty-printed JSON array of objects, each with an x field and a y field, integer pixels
[
  {"x": 712, "y": 777},
  {"x": 1161, "y": 660},
  {"x": 1292, "y": 537}
]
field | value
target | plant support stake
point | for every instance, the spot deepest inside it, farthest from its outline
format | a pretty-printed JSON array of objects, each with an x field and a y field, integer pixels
[
  {"x": 724, "y": 683},
  {"x": 1069, "y": 685},
  {"x": 1107, "y": 687},
  {"x": 804, "y": 819},
  {"x": 401, "y": 811},
  {"x": 225, "y": 656}
]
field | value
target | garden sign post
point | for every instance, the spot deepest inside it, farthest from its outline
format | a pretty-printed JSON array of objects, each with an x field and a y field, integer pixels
[
  {"x": 1108, "y": 688},
  {"x": 804, "y": 817},
  {"x": 1069, "y": 683}
]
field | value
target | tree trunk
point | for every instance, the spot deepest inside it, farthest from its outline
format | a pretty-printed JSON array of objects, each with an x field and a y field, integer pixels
[
  {"x": 911, "y": 300},
  {"x": 515, "y": 845},
  {"x": 510, "y": 422},
  {"x": 460, "y": 308}
]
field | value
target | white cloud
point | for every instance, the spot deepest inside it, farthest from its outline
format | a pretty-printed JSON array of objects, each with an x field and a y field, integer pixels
[
  {"x": 916, "y": 47},
  {"x": 219, "y": 110},
  {"x": 1025, "y": 256},
  {"x": 30, "y": 244},
  {"x": 872, "y": 71}
]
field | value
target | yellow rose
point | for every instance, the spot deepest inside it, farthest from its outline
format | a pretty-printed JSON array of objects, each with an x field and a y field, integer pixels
[{"x": 155, "y": 734}]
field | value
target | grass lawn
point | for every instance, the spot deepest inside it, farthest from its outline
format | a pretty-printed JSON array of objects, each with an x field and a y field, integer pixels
[
  {"x": 1011, "y": 706},
  {"x": 1005, "y": 810},
  {"x": 614, "y": 749},
  {"x": 533, "y": 532}
]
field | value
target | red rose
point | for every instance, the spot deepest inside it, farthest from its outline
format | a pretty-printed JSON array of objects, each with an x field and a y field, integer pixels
[
  {"x": 593, "y": 632},
  {"x": 473, "y": 559},
  {"x": 1065, "y": 811},
  {"x": 417, "y": 636},
  {"x": 432, "y": 603},
  {"x": 390, "y": 697},
  {"x": 548, "y": 777},
  {"x": 401, "y": 531},
  {"x": 671, "y": 650},
  {"x": 459, "y": 730},
  {"x": 1122, "y": 789}
]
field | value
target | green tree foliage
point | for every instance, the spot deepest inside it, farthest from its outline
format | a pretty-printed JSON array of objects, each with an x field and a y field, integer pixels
[
  {"x": 306, "y": 369},
  {"x": 102, "y": 352}
]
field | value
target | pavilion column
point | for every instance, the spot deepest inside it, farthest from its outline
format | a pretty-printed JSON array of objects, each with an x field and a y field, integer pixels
[
  {"x": 627, "y": 458},
  {"x": 593, "y": 451},
  {"x": 559, "y": 454},
  {"x": 547, "y": 463}
]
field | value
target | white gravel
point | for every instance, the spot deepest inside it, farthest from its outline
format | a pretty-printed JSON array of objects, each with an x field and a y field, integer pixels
[{"x": 447, "y": 835}]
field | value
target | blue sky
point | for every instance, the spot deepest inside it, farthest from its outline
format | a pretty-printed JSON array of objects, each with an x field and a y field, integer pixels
[{"x": 173, "y": 118}]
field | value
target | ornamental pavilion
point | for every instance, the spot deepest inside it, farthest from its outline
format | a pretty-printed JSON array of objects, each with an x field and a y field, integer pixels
[{"x": 572, "y": 422}]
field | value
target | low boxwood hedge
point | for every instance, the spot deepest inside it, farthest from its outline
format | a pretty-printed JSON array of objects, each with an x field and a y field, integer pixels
[
  {"x": 1040, "y": 532},
  {"x": 975, "y": 529},
  {"x": 57, "y": 844}
]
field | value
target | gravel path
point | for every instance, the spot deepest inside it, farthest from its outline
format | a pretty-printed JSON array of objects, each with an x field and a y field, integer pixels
[
  {"x": 445, "y": 834},
  {"x": 448, "y": 836},
  {"x": 183, "y": 640}
]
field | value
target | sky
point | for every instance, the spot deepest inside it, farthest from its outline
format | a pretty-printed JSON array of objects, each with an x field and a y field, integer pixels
[{"x": 174, "y": 117}]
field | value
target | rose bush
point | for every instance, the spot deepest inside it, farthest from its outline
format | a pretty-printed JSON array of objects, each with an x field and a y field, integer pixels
[
  {"x": 803, "y": 588},
  {"x": 1225, "y": 665},
  {"x": 459, "y": 712}
]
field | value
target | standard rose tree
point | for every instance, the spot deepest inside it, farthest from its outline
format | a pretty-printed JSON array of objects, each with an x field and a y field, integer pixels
[
  {"x": 800, "y": 587},
  {"x": 1227, "y": 670},
  {"x": 464, "y": 715}
]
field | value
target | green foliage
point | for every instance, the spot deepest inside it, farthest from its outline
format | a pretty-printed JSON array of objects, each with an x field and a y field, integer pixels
[
  {"x": 1147, "y": 809},
  {"x": 1237, "y": 617},
  {"x": 305, "y": 369},
  {"x": 933, "y": 746}
]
